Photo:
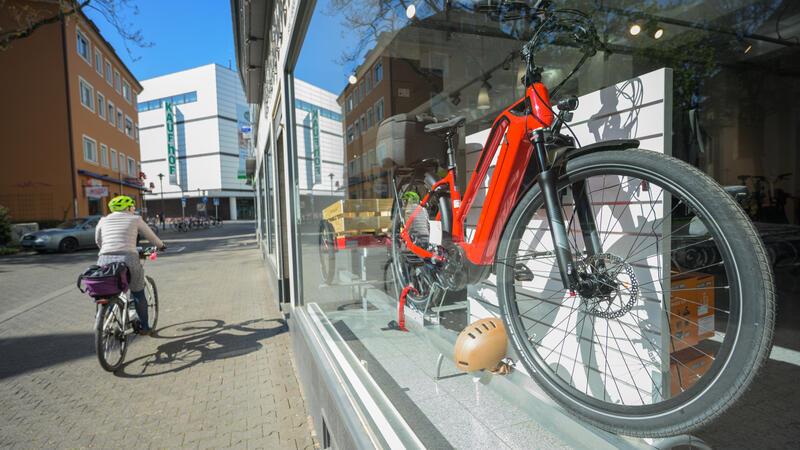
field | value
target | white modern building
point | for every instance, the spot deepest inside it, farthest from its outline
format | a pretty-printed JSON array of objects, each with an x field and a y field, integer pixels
[
  {"x": 209, "y": 125},
  {"x": 320, "y": 162}
]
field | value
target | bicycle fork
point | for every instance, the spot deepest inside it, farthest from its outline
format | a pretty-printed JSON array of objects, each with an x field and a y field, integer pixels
[{"x": 558, "y": 231}]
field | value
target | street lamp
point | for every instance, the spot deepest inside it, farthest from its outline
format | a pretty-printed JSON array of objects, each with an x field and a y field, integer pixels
[{"x": 161, "y": 188}]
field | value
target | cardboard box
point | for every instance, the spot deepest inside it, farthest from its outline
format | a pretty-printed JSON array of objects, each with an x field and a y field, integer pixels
[
  {"x": 692, "y": 309},
  {"x": 686, "y": 368}
]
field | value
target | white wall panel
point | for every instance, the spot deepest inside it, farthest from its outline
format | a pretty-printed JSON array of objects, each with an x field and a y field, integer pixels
[{"x": 203, "y": 134}]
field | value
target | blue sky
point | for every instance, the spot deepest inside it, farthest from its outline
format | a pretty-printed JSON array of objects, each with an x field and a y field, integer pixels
[
  {"x": 184, "y": 33},
  {"x": 191, "y": 33},
  {"x": 325, "y": 41}
]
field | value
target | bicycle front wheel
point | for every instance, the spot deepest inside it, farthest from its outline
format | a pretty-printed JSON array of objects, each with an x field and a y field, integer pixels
[
  {"x": 151, "y": 293},
  {"x": 675, "y": 310},
  {"x": 111, "y": 344}
]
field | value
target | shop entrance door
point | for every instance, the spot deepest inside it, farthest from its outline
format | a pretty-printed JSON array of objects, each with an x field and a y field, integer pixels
[{"x": 95, "y": 208}]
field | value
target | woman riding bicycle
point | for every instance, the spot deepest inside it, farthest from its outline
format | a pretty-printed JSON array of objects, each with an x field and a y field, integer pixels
[{"x": 116, "y": 235}]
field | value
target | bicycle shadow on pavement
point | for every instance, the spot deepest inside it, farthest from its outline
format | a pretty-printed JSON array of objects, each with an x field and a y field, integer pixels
[{"x": 201, "y": 341}]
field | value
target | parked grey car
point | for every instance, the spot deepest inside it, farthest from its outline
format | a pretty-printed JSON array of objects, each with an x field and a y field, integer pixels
[{"x": 67, "y": 237}]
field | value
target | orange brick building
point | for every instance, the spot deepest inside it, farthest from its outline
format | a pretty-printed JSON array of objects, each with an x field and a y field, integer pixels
[{"x": 68, "y": 123}]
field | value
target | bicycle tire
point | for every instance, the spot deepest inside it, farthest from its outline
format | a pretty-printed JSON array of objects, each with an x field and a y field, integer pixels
[
  {"x": 407, "y": 273},
  {"x": 100, "y": 335},
  {"x": 152, "y": 302},
  {"x": 741, "y": 354}
]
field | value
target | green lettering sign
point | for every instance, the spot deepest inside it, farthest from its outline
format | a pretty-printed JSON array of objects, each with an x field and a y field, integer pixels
[
  {"x": 171, "y": 153},
  {"x": 315, "y": 148}
]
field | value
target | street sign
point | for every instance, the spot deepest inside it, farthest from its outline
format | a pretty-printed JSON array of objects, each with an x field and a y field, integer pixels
[
  {"x": 205, "y": 199},
  {"x": 216, "y": 201},
  {"x": 183, "y": 201}
]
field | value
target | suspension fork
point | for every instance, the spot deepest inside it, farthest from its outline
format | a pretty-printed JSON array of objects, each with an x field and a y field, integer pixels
[
  {"x": 583, "y": 209},
  {"x": 555, "y": 217}
]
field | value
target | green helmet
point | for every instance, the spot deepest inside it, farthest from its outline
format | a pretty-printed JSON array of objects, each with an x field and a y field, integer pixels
[{"x": 120, "y": 203}]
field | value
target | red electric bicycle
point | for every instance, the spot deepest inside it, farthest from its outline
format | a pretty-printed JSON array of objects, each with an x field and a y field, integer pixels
[{"x": 578, "y": 243}]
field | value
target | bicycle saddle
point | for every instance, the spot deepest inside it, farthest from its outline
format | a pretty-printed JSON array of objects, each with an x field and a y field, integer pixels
[{"x": 455, "y": 122}]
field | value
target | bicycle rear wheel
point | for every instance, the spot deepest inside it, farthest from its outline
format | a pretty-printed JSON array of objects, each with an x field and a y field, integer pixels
[
  {"x": 409, "y": 269},
  {"x": 111, "y": 344},
  {"x": 647, "y": 346},
  {"x": 151, "y": 292}
]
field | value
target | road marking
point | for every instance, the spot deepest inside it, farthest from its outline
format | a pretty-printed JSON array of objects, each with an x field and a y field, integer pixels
[{"x": 29, "y": 306}]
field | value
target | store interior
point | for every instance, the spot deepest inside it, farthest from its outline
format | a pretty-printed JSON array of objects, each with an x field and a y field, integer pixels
[{"x": 734, "y": 71}]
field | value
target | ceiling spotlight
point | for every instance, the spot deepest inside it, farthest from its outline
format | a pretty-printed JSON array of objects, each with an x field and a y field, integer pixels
[
  {"x": 658, "y": 33},
  {"x": 411, "y": 11},
  {"x": 352, "y": 79},
  {"x": 635, "y": 29},
  {"x": 653, "y": 29},
  {"x": 483, "y": 96}
]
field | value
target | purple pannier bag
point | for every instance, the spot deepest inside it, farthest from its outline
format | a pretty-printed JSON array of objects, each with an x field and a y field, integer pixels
[{"x": 104, "y": 281}]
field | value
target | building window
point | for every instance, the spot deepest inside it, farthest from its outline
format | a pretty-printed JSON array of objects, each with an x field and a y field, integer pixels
[
  {"x": 119, "y": 120},
  {"x": 368, "y": 81},
  {"x": 136, "y": 131},
  {"x": 356, "y": 129},
  {"x": 349, "y": 103},
  {"x": 112, "y": 114},
  {"x": 98, "y": 62},
  {"x": 323, "y": 112},
  {"x": 114, "y": 163},
  {"x": 129, "y": 127},
  {"x": 126, "y": 91},
  {"x": 109, "y": 76},
  {"x": 122, "y": 163},
  {"x": 378, "y": 111},
  {"x": 350, "y": 134},
  {"x": 101, "y": 105},
  {"x": 363, "y": 124},
  {"x": 83, "y": 47},
  {"x": 87, "y": 94},
  {"x": 370, "y": 118},
  {"x": 131, "y": 167},
  {"x": 104, "y": 155},
  {"x": 378, "y": 73},
  {"x": 89, "y": 149},
  {"x": 117, "y": 82},
  {"x": 180, "y": 99}
]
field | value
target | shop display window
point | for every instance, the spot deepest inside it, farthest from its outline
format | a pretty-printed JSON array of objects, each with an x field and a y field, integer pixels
[{"x": 690, "y": 80}]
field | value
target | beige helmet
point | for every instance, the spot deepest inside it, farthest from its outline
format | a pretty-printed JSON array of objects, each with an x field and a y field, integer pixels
[{"x": 481, "y": 345}]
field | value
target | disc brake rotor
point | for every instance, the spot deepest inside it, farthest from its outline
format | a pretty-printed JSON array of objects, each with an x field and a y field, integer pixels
[{"x": 616, "y": 288}]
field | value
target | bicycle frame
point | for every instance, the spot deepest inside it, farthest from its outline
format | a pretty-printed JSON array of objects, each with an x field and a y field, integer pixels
[{"x": 517, "y": 139}]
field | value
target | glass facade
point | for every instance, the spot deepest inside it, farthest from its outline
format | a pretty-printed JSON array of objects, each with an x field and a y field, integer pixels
[
  {"x": 710, "y": 83},
  {"x": 179, "y": 99}
]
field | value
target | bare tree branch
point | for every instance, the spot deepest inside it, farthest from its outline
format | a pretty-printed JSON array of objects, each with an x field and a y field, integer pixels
[{"x": 27, "y": 17}]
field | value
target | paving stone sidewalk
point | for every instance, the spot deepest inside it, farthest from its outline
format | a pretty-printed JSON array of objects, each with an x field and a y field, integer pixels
[{"x": 219, "y": 374}]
